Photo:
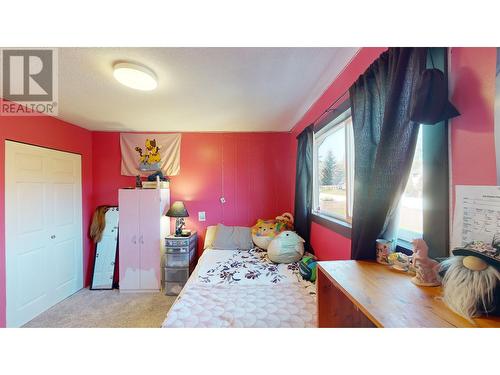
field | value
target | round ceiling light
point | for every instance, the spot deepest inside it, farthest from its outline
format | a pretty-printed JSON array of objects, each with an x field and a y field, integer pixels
[{"x": 135, "y": 76}]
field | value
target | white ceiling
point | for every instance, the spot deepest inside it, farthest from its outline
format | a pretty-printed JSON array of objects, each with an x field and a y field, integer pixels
[{"x": 199, "y": 89}]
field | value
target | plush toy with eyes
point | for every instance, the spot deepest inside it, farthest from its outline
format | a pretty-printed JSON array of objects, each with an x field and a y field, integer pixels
[
  {"x": 265, "y": 230},
  {"x": 287, "y": 247}
]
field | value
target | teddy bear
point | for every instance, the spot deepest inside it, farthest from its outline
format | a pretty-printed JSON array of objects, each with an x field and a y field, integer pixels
[{"x": 286, "y": 219}]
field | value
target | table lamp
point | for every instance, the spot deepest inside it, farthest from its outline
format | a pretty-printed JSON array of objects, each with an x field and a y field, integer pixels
[{"x": 178, "y": 210}]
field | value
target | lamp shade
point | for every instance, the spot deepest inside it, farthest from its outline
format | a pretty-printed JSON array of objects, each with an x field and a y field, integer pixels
[{"x": 177, "y": 209}]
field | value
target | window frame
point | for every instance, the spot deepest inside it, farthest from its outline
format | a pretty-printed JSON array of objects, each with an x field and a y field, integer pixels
[{"x": 322, "y": 131}]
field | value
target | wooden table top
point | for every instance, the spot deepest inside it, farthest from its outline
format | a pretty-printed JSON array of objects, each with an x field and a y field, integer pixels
[{"x": 389, "y": 298}]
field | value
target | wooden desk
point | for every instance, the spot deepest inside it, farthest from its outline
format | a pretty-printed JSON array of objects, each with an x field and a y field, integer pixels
[{"x": 367, "y": 294}]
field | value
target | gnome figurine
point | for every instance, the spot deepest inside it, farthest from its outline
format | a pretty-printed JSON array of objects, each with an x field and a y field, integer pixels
[
  {"x": 426, "y": 269},
  {"x": 471, "y": 279}
]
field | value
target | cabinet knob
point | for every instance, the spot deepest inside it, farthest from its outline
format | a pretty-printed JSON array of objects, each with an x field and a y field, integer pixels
[{"x": 53, "y": 236}]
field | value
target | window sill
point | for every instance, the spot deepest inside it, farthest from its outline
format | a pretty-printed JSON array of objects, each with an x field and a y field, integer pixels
[{"x": 336, "y": 225}]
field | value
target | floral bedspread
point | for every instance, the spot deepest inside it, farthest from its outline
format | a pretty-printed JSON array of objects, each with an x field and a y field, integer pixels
[
  {"x": 250, "y": 267},
  {"x": 244, "y": 289}
]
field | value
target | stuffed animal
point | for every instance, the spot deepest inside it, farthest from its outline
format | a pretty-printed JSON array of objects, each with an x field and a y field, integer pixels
[
  {"x": 307, "y": 268},
  {"x": 471, "y": 279},
  {"x": 286, "y": 219},
  {"x": 287, "y": 247},
  {"x": 264, "y": 231}
]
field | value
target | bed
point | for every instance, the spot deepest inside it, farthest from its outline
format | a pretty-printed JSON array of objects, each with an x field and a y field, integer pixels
[{"x": 243, "y": 288}]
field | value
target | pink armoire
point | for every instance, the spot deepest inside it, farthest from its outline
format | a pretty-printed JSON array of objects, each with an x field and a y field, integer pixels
[{"x": 143, "y": 227}]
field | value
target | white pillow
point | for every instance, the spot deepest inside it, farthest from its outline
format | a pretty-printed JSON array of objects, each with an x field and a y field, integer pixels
[{"x": 232, "y": 238}]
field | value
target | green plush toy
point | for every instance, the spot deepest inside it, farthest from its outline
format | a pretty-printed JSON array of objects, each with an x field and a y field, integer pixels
[{"x": 307, "y": 268}]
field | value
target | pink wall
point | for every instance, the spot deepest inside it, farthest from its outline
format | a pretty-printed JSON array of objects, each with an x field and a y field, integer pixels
[
  {"x": 472, "y": 89},
  {"x": 56, "y": 134},
  {"x": 329, "y": 245},
  {"x": 251, "y": 170}
]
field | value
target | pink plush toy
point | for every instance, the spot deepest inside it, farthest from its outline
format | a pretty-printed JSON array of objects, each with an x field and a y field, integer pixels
[{"x": 426, "y": 269}]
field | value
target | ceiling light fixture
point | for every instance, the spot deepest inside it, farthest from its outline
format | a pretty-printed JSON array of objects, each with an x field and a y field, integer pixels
[{"x": 135, "y": 76}]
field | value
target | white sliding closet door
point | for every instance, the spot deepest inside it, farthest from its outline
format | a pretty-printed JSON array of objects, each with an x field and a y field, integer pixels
[{"x": 43, "y": 229}]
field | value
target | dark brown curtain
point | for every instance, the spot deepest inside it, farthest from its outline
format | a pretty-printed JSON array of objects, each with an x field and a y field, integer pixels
[
  {"x": 304, "y": 185},
  {"x": 384, "y": 144}
]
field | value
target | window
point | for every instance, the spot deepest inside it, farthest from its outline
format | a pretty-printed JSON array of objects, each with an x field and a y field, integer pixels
[
  {"x": 424, "y": 206},
  {"x": 411, "y": 210},
  {"x": 334, "y": 168}
]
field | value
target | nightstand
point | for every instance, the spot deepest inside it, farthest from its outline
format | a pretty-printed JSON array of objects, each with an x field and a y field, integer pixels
[{"x": 180, "y": 254}]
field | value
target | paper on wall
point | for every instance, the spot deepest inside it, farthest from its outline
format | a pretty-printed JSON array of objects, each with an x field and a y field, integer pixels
[{"x": 477, "y": 214}]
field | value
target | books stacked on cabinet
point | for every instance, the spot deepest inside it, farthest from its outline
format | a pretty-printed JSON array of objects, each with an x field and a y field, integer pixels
[{"x": 155, "y": 185}]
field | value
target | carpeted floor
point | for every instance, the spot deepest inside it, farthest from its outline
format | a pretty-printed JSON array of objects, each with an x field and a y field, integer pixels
[{"x": 106, "y": 309}]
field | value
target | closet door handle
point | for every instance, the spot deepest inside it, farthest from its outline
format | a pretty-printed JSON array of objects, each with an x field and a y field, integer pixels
[
  {"x": 134, "y": 239},
  {"x": 141, "y": 240}
]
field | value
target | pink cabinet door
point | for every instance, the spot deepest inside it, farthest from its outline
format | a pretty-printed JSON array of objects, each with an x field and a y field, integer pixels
[
  {"x": 129, "y": 251},
  {"x": 149, "y": 223}
]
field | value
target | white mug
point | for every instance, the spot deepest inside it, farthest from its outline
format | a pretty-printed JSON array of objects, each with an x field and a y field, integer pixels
[{"x": 383, "y": 249}]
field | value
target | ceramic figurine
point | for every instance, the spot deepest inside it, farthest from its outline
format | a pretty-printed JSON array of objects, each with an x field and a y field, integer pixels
[
  {"x": 383, "y": 249},
  {"x": 426, "y": 269}
]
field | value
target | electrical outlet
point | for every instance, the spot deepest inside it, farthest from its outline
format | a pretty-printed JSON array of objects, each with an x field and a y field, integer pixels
[{"x": 201, "y": 216}]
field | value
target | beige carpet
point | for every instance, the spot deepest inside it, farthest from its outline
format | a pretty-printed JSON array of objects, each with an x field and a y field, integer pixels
[{"x": 106, "y": 309}]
